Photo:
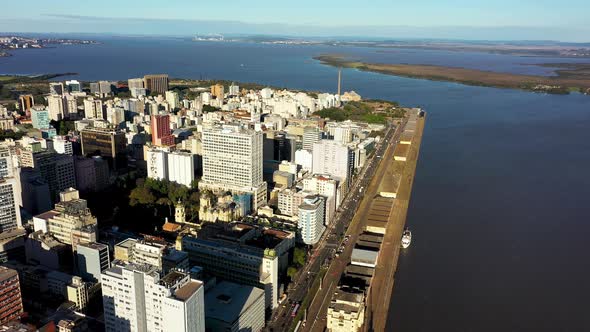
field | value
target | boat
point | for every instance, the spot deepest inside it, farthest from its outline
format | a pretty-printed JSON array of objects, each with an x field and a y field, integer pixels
[{"x": 406, "y": 238}]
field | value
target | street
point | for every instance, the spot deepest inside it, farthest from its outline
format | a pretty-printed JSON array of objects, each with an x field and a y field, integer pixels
[{"x": 324, "y": 251}]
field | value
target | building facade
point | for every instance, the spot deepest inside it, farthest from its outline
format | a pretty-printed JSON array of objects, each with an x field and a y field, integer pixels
[
  {"x": 92, "y": 259},
  {"x": 232, "y": 160},
  {"x": 11, "y": 307},
  {"x": 312, "y": 219},
  {"x": 136, "y": 298}
]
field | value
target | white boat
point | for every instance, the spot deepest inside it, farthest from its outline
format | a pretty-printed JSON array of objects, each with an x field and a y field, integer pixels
[{"x": 406, "y": 238}]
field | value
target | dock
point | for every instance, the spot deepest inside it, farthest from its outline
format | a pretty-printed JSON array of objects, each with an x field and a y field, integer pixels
[{"x": 381, "y": 212}]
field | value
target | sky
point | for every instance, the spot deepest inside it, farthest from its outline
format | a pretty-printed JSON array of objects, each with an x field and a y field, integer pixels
[{"x": 459, "y": 19}]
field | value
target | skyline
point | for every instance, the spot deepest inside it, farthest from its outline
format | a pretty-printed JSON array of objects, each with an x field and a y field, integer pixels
[{"x": 526, "y": 20}]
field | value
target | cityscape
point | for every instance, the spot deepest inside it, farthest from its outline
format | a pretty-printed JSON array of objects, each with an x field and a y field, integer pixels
[
  {"x": 231, "y": 205},
  {"x": 294, "y": 167}
]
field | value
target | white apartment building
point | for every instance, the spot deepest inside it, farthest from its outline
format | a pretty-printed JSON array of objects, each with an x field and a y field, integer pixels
[
  {"x": 136, "y": 298},
  {"x": 312, "y": 219},
  {"x": 93, "y": 108},
  {"x": 289, "y": 201},
  {"x": 56, "y": 107},
  {"x": 9, "y": 206},
  {"x": 326, "y": 187},
  {"x": 304, "y": 158},
  {"x": 62, "y": 146},
  {"x": 70, "y": 105},
  {"x": 232, "y": 160},
  {"x": 157, "y": 164},
  {"x": 181, "y": 168},
  {"x": 172, "y": 99},
  {"x": 6, "y": 162},
  {"x": 333, "y": 158},
  {"x": 174, "y": 166},
  {"x": 311, "y": 135}
]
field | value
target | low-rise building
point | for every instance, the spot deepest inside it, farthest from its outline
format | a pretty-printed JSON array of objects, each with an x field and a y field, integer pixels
[{"x": 346, "y": 312}]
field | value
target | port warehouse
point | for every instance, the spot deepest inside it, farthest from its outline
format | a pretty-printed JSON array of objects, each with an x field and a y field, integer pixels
[{"x": 357, "y": 277}]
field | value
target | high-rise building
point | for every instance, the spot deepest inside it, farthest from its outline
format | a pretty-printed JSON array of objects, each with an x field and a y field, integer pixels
[
  {"x": 70, "y": 222},
  {"x": 115, "y": 116},
  {"x": 135, "y": 83},
  {"x": 73, "y": 86},
  {"x": 174, "y": 166},
  {"x": 152, "y": 252},
  {"x": 311, "y": 135},
  {"x": 289, "y": 201},
  {"x": 11, "y": 306},
  {"x": 92, "y": 174},
  {"x": 70, "y": 106},
  {"x": 93, "y": 108},
  {"x": 311, "y": 219},
  {"x": 7, "y": 123},
  {"x": 56, "y": 88},
  {"x": 40, "y": 117},
  {"x": 12, "y": 246},
  {"x": 92, "y": 259},
  {"x": 232, "y": 160},
  {"x": 333, "y": 158},
  {"x": 161, "y": 133},
  {"x": 234, "y": 252},
  {"x": 35, "y": 194},
  {"x": 326, "y": 187},
  {"x": 95, "y": 88},
  {"x": 181, "y": 168},
  {"x": 26, "y": 102},
  {"x": 172, "y": 99},
  {"x": 62, "y": 145},
  {"x": 234, "y": 89},
  {"x": 136, "y": 298},
  {"x": 108, "y": 143},
  {"x": 106, "y": 87},
  {"x": 56, "y": 107},
  {"x": 45, "y": 250},
  {"x": 156, "y": 83},
  {"x": 157, "y": 164},
  {"x": 217, "y": 91},
  {"x": 57, "y": 169},
  {"x": 6, "y": 162},
  {"x": 9, "y": 205}
]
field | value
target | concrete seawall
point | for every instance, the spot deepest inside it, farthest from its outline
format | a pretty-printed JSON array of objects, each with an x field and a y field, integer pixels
[{"x": 381, "y": 289}]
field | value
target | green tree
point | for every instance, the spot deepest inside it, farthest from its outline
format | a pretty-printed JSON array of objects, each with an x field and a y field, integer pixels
[
  {"x": 291, "y": 271},
  {"x": 165, "y": 201},
  {"x": 299, "y": 256},
  {"x": 142, "y": 196},
  {"x": 209, "y": 108}
]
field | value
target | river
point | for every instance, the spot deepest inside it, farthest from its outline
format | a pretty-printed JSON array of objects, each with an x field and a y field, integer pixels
[{"x": 500, "y": 204}]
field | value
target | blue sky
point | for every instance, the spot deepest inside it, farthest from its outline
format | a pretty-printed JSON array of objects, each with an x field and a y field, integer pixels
[{"x": 498, "y": 19}]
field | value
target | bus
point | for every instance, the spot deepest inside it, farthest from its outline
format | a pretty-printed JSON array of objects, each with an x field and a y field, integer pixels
[{"x": 294, "y": 312}]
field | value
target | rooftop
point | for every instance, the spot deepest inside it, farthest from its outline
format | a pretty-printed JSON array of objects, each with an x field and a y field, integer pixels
[
  {"x": 93, "y": 245},
  {"x": 227, "y": 301},
  {"x": 172, "y": 278},
  {"x": 186, "y": 291},
  {"x": 6, "y": 273}
]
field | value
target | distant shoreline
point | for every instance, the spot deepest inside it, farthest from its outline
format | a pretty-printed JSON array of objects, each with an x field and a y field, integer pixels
[{"x": 572, "y": 78}]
